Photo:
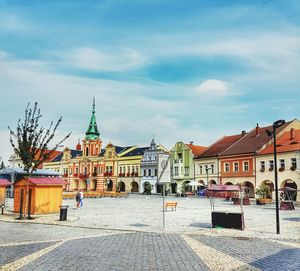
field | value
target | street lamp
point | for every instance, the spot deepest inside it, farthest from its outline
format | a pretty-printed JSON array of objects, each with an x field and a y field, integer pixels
[
  {"x": 276, "y": 125},
  {"x": 207, "y": 169}
]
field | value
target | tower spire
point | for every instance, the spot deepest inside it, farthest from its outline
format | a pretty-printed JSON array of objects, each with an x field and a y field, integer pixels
[
  {"x": 153, "y": 144},
  {"x": 92, "y": 133}
]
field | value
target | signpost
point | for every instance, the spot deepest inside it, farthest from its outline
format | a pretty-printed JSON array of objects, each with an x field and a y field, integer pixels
[{"x": 164, "y": 177}]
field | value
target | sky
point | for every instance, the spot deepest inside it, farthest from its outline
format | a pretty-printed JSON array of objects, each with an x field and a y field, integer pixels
[{"x": 178, "y": 70}]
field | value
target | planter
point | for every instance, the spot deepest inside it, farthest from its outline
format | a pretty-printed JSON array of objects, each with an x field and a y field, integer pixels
[{"x": 263, "y": 201}]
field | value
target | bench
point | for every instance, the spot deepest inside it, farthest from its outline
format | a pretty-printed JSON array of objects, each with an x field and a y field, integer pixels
[{"x": 172, "y": 204}]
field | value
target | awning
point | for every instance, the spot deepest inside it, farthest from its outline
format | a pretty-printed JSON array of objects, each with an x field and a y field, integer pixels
[{"x": 4, "y": 182}]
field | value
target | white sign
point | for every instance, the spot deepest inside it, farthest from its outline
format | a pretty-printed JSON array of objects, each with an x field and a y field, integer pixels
[{"x": 164, "y": 168}]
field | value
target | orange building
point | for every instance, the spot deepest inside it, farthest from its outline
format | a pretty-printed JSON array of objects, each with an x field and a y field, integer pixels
[{"x": 237, "y": 163}]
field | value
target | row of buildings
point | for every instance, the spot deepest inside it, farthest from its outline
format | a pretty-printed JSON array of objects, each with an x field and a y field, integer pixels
[{"x": 245, "y": 158}]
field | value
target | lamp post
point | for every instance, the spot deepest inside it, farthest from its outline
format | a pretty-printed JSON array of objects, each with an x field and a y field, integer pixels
[
  {"x": 276, "y": 125},
  {"x": 207, "y": 169}
]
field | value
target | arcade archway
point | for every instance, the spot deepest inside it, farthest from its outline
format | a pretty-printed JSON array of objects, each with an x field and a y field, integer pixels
[
  {"x": 291, "y": 184},
  {"x": 251, "y": 188},
  {"x": 134, "y": 187}
]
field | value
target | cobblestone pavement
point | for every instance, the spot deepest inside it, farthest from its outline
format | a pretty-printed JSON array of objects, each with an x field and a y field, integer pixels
[
  {"x": 126, "y": 234},
  {"x": 193, "y": 215},
  {"x": 52, "y": 247}
]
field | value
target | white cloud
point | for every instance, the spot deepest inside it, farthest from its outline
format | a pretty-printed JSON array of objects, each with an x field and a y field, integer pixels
[
  {"x": 91, "y": 59},
  {"x": 13, "y": 23},
  {"x": 126, "y": 113},
  {"x": 213, "y": 87}
]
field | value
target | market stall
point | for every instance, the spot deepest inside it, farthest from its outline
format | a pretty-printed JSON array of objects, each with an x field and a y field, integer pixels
[{"x": 225, "y": 215}]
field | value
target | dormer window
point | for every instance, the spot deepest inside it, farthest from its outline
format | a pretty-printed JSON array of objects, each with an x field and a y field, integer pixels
[{"x": 87, "y": 151}]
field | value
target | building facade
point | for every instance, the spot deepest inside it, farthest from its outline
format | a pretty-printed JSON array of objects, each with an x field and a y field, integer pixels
[
  {"x": 182, "y": 165},
  {"x": 288, "y": 163},
  {"x": 150, "y": 169}
]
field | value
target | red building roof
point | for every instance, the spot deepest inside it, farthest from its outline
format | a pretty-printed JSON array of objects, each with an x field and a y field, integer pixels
[
  {"x": 219, "y": 146},
  {"x": 196, "y": 150},
  {"x": 288, "y": 141},
  {"x": 50, "y": 158},
  {"x": 252, "y": 141},
  {"x": 47, "y": 181},
  {"x": 4, "y": 182}
]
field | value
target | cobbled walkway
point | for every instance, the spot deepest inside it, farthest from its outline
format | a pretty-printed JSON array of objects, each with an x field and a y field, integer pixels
[
  {"x": 46, "y": 247},
  {"x": 126, "y": 234}
]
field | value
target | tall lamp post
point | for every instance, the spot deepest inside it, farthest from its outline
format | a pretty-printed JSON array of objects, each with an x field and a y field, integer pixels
[
  {"x": 276, "y": 125},
  {"x": 207, "y": 169}
]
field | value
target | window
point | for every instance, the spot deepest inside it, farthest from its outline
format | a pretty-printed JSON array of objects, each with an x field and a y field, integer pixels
[
  {"x": 226, "y": 167},
  {"x": 132, "y": 168},
  {"x": 212, "y": 168},
  {"x": 145, "y": 172},
  {"x": 186, "y": 170},
  {"x": 128, "y": 169},
  {"x": 95, "y": 169},
  {"x": 175, "y": 170},
  {"x": 262, "y": 166},
  {"x": 156, "y": 172},
  {"x": 271, "y": 164},
  {"x": 109, "y": 154},
  {"x": 70, "y": 170},
  {"x": 85, "y": 170},
  {"x": 200, "y": 169},
  {"x": 294, "y": 163},
  {"x": 149, "y": 172},
  {"x": 246, "y": 166},
  {"x": 87, "y": 151},
  {"x": 76, "y": 170},
  {"x": 180, "y": 156},
  {"x": 181, "y": 170},
  {"x": 120, "y": 169},
  {"x": 282, "y": 164},
  {"x": 136, "y": 169},
  {"x": 236, "y": 166}
]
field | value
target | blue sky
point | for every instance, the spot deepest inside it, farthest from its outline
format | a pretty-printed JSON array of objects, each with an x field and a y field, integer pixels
[{"x": 182, "y": 70}]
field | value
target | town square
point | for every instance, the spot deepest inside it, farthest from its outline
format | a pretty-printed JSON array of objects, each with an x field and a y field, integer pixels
[{"x": 149, "y": 135}]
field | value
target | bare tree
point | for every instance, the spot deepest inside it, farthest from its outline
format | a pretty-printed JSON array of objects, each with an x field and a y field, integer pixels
[{"x": 31, "y": 141}]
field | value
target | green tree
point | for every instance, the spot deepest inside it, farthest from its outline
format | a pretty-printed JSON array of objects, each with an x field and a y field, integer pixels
[{"x": 31, "y": 141}]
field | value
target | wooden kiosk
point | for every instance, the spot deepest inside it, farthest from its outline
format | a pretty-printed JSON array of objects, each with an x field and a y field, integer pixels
[
  {"x": 3, "y": 184},
  {"x": 43, "y": 195}
]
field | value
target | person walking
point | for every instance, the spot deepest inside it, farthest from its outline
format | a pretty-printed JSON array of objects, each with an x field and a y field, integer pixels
[{"x": 78, "y": 199}]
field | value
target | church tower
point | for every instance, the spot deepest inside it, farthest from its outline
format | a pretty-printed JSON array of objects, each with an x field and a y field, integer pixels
[{"x": 92, "y": 142}]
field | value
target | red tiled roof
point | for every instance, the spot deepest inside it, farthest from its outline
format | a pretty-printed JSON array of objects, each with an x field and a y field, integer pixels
[
  {"x": 196, "y": 150},
  {"x": 220, "y": 146},
  {"x": 285, "y": 143},
  {"x": 4, "y": 182},
  {"x": 252, "y": 142},
  {"x": 47, "y": 181},
  {"x": 49, "y": 159}
]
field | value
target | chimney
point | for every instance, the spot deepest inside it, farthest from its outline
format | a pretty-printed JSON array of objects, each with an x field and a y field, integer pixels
[
  {"x": 243, "y": 133},
  {"x": 292, "y": 133},
  {"x": 257, "y": 129},
  {"x": 78, "y": 146},
  {"x": 191, "y": 142}
]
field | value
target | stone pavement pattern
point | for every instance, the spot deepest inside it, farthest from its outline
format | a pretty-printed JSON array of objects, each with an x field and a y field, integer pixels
[
  {"x": 90, "y": 249},
  {"x": 126, "y": 234}
]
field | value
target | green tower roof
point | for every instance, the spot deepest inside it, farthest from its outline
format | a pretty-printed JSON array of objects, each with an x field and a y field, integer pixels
[{"x": 92, "y": 132}]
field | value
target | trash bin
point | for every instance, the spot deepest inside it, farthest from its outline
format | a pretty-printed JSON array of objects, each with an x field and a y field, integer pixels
[{"x": 63, "y": 212}]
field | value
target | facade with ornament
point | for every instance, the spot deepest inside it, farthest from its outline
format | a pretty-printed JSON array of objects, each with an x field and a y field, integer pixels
[{"x": 93, "y": 168}]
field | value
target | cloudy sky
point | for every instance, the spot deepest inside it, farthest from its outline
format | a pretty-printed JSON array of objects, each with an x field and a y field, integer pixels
[{"x": 182, "y": 70}]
